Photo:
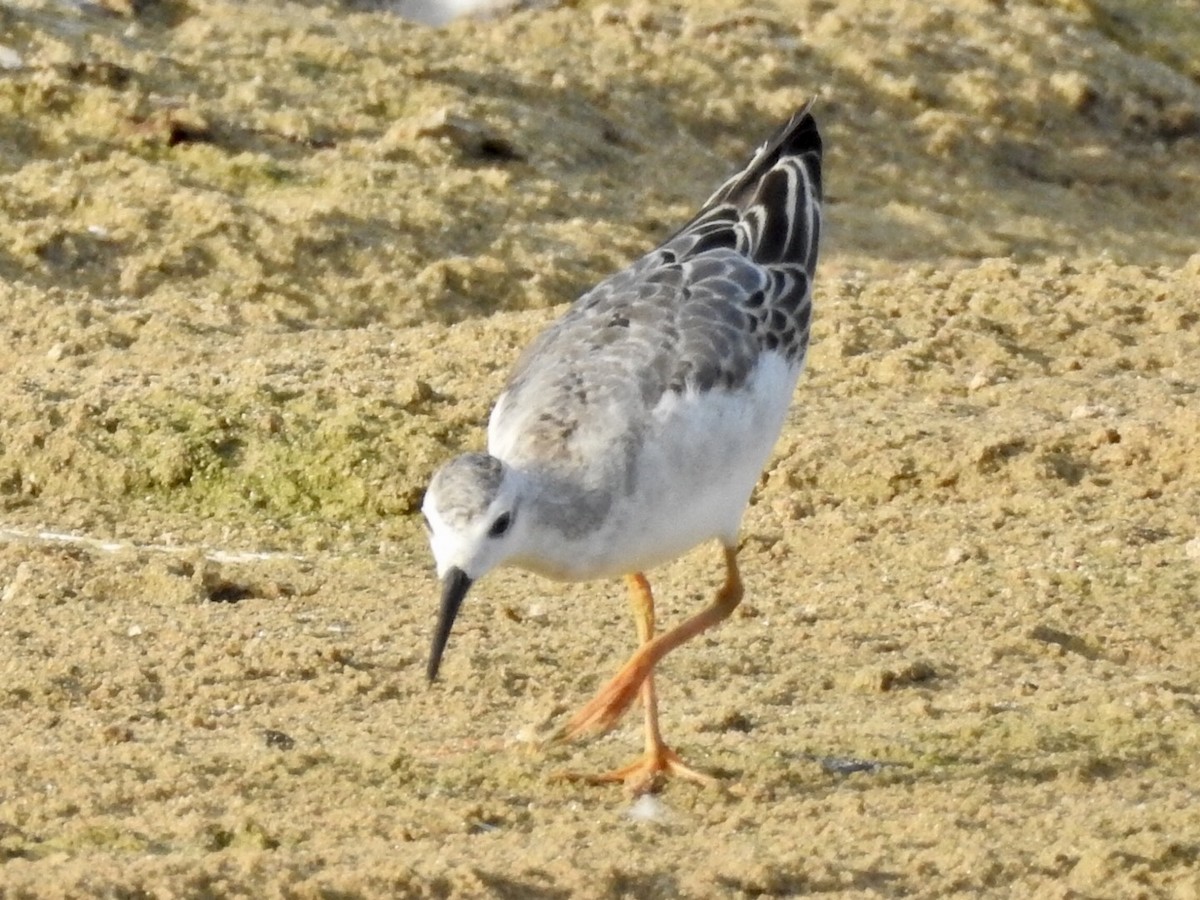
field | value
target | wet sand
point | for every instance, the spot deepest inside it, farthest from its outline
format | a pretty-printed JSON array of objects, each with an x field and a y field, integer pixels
[{"x": 263, "y": 268}]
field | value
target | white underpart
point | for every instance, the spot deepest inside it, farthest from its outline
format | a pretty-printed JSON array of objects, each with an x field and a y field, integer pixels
[{"x": 701, "y": 459}]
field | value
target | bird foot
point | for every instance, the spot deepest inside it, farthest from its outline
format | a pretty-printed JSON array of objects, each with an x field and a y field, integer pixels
[
  {"x": 645, "y": 775},
  {"x": 611, "y": 702}
]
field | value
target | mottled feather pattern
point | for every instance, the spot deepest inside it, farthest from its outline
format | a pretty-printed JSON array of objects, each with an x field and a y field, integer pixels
[{"x": 694, "y": 314}]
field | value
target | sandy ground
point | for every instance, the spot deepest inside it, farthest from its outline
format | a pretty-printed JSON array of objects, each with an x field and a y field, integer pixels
[{"x": 263, "y": 267}]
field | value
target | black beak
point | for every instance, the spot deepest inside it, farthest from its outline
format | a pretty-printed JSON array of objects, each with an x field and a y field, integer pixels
[{"x": 454, "y": 587}]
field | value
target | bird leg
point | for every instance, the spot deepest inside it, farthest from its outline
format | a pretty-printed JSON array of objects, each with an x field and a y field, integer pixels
[{"x": 637, "y": 675}]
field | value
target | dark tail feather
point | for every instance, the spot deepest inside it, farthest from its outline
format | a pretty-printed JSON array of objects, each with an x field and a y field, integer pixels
[
  {"x": 773, "y": 205},
  {"x": 795, "y": 137}
]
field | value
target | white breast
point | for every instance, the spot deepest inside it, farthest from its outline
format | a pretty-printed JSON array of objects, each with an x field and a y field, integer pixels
[{"x": 700, "y": 461}]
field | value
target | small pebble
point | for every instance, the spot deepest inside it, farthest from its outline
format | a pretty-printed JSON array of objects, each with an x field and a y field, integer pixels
[
  {"x": 647, "y": 808},
  {"x": 955, "y": 555},
  {"x": 16, "y": 586},
  {"x": 1087, "y": 411},
  {"x": 278, "y": 739},
  {"x": 10, "y": 59}
]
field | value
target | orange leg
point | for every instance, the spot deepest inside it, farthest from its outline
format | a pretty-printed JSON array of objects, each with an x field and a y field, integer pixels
[{"x": 637, "y": 675}]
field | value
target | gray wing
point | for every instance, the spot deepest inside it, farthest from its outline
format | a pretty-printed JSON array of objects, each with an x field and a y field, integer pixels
[{"x": 696, "y": 313}]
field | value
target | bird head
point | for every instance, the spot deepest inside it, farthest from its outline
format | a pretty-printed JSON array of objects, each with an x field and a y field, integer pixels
[{"x": 470, "y": 513}]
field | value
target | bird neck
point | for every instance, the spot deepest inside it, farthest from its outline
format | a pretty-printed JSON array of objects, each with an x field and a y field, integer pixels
[{"x": 560, "y": 502}]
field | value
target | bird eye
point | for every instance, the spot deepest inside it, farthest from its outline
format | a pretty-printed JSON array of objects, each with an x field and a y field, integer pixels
[{"x": 500, "y": 525}]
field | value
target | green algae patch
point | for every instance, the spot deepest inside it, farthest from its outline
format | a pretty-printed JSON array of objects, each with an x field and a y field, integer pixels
[
  {"x": 227, "y": 453},
  {"x": 103, "y": 837},
  {"x": 266, "y": 428}
]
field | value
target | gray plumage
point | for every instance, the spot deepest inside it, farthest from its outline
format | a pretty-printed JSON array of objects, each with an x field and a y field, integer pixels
[
  {"x": 467, "y": 485},
  {"x": 696, "y": 313}
]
